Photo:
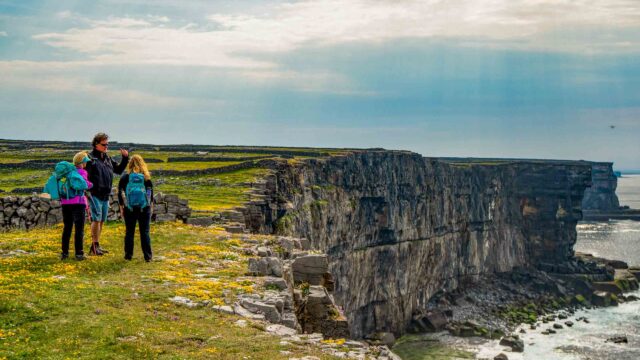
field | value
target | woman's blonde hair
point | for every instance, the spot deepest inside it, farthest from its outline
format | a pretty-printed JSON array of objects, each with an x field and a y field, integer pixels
[
  {"x": 77, "y": 158},
  {"x": 137, "y": 165}
]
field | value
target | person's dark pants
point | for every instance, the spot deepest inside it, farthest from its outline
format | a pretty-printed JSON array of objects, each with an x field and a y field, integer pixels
[
  {"x": 73, "y": 215},
  {"x": 143, "y": 218}
]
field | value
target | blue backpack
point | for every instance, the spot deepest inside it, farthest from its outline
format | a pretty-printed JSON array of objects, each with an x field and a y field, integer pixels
[
  {"x": 136, "y": 192},
  {"x": 65, "y": 182}
]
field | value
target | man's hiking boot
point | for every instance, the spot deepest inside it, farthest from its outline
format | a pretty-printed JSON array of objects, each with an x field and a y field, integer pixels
[
  {"x": 64, "y": 256},
  {"x": 80, "y": 257},
  {"x": 102, "y": 250},
  {"x": 95, "y": 250}
]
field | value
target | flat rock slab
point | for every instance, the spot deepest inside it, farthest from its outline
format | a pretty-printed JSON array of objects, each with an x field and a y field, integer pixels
[
  {"x": 239, "y": 310},
  {"x": 280, "y": 330},
  {"x": 184, "y": 301}
]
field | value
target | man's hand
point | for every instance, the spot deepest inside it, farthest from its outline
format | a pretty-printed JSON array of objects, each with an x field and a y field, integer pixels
[{"x": 124, "y": 153}]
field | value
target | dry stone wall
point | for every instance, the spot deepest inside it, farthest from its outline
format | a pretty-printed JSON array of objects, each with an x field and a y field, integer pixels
[{"x": 28, "y": 212}]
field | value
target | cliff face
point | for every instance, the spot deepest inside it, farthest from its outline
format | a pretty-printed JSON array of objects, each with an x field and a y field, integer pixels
[
  {"x": 602, "y": 194},
  {"x": 399, "y": 227}
]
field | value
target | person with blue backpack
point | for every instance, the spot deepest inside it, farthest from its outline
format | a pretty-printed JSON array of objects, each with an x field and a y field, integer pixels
[
  {"x": 68, "y": 184},
  {"x": 135, "y": 196}
]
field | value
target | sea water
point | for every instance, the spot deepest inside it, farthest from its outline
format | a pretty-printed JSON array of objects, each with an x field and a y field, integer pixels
[{"x": 616, "y": 239}]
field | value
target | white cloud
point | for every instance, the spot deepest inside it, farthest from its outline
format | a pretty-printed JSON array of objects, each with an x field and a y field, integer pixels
[
  {"x": 3, "y": 34},
  {"x": 556, "y": 25},
  {"x": 241, "y": 41}
]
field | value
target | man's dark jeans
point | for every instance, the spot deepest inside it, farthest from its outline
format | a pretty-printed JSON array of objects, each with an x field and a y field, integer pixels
[
  {"x": 143, "y": 218},
  {"x": 73, "y": 215}
]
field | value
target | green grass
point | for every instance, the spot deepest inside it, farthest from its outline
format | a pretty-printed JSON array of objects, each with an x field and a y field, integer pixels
[
  {"x": 22, "y": 178},
  {"x": 419, "y": 347},
  {"x": 190, "y": 165},
  {"x": 212, "y": 192},
  {"x": 108, "y": 308}
]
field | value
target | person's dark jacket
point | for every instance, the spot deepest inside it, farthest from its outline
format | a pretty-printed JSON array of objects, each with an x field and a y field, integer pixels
[
  {"x": 101, "y": 171},
  {"x": 122, "y": 188}
]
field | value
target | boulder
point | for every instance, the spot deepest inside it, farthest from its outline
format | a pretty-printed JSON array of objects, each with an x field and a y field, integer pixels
[
  {"x": 264, "y": 251},
  {"x": 607, "y": 286},
  {"x": 269, "y": 311},
  {"x": 435, "y": 320},
  {"x": 618, "y": 340},
  {"x": 239, "y": 310},
  {"x": 310, "y": 269},
  {"x": 275, "y": 282},
  {"x": 266, "y": 266},
  {"x": 500, "y": 356},
  {"x": 601, "y": 298},
  {"x": 514, "y": 342}
]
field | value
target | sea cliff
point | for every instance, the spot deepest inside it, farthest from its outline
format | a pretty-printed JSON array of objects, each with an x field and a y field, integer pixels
[{"x": 399, "y": 228}]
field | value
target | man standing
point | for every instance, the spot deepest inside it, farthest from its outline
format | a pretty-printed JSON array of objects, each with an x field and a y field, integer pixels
[{"x": 101, "y": 171}]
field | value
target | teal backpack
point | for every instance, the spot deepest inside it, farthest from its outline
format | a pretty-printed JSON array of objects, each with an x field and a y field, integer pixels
[
  {"x": 136, "y": 192},
  {"x": 65, "y": 182}
]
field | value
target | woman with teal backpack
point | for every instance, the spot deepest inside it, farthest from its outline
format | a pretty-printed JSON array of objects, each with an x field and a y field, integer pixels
[
  {"x": 135, "y": 195},
  {"x": 68, "y": 184}
]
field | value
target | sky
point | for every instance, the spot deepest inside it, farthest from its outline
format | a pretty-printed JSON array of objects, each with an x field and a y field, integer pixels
[{"x": 472, "y": 78}]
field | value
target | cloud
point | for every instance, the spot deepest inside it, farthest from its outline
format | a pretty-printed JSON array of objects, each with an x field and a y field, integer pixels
[
  {"x": 3, "y": 34},
  {"x": 58, "y": 82},
  {"x": 239, "y": 40}
]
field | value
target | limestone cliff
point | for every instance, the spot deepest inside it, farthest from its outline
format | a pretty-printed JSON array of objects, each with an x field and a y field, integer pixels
[
  {"x": 601, "y": 196},
  {"x": 399, "y": 227}
]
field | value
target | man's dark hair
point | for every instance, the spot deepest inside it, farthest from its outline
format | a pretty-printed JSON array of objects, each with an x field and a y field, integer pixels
[{"x": 98, "y": 138}]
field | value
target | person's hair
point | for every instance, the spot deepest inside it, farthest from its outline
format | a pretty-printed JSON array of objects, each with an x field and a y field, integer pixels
[
  {"x": 77, "y": 158},
  {"x": 137, "y": 165},
  {"x": 98, "y": 138}
]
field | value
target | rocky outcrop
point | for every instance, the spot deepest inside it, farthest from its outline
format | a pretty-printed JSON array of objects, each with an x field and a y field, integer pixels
[
  {"x": 601, "y": 196},
  {"x": 398, "y": 228}
]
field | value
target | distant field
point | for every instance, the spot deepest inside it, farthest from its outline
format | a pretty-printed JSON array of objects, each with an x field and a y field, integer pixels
[{"x": 206, "y": 193}]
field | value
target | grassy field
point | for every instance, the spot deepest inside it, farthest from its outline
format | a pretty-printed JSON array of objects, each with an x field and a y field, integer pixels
[
  {"x": 206, "y": 193},
  {"x": 22, "y": 178},
  {"x": 190, "y": 165},
  {"x": 109, "y": 308},
  {"x": 210, "y": 193}
]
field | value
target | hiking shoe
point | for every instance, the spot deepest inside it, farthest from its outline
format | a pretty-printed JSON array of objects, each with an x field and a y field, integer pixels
[
  {"x": 80, "y": 257},
  {"x": 95, "y": 250},
  {"x": 103, "y": 250},
  {"x": 64, "y": 256},
  {"x": 100, "y": 249},
  {"x": 128, "y": 258}
]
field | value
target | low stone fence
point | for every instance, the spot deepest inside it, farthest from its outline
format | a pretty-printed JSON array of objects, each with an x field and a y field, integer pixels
[{"x": 28, "y": 212}]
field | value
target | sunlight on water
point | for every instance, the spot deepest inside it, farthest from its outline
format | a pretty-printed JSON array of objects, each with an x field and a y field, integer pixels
[{"x": 582, "y": 341}]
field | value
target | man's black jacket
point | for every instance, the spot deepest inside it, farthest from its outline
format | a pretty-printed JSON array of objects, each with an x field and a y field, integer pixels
[{"x": 101, "y": 171}]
